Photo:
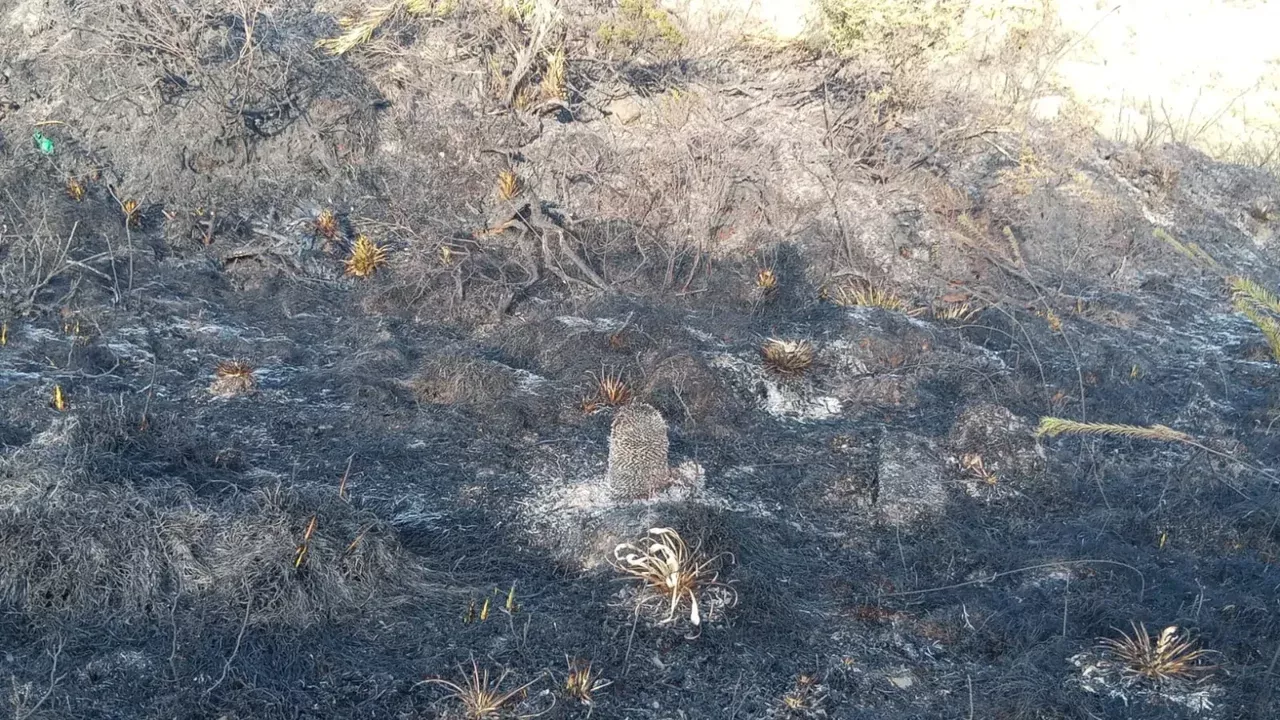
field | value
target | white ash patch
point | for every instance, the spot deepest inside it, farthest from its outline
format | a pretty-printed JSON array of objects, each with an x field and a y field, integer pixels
[
  {"x": 572, "y": 514},
  {"x": 600, "y": 325},
  {"x": 528, "y": 382},
  {"x": 796, "y": 400},
  {"x": 636, "y": 600},
  {"x": 38, "y": 334},
  {"x": 58, "y": 434},
  {"x": 14, "y": 377},
  {"x": 703, "y": 336},
  {"x": 131, "y": 352},
  {"x": 841, "y": 356},
  {"x": 1100, "y": 675}
]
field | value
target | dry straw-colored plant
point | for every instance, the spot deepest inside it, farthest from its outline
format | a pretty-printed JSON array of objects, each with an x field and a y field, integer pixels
[
  {"x": 75, "y": 189},
  {"x": 357, "y": 31},
  {"x": 1170, "y": 655},
  {"x": 787, "y": 357},
  {"x": 805, "y": 697},
  {"x": 868, "y": 296},
  {"x": 1189, "y": 250},
  {"x": 366, "y": 257},
  {"x": 767, "y": 281},
  {"x": 481, "y": 698},
  {"x": 326, "y": 224},
  {"x": 231, "y": 378},
  {"x": 611, "y": 389},
  {"x": 954, "y": 312},
  {"x": 554, "y": 78},
  {"x": 973, "y": 464},
  {"x": 674, "y": 575},
  {"x": 132, "y": 213},
  {"x": 304, "y": 548},
  {"x": 582, "y": 682},
  {"x": 1055, "y": 426},
  {"x": 508, "y": 184}
]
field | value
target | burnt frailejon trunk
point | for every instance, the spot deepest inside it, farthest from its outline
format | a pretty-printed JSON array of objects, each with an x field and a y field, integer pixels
[{"x": 637, "y": 453}]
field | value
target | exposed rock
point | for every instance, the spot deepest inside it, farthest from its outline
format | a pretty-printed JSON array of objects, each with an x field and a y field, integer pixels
[
  {"x": 625, "y": 110},
  {"x": 911, "y": 480}
]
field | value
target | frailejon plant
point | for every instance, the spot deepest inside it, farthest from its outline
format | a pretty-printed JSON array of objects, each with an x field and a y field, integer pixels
[
  {"x": 638, "y": 448},
  {"x": 674, "y": 575}
]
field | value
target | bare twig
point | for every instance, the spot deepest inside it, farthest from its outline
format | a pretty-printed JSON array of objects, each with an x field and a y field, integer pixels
[
  {"x": 53, "y": 681},
  {"x": 226, "y": 667},
  {"x": 1041, "y": 566}
]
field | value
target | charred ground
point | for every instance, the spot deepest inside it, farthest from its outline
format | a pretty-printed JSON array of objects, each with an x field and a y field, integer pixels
[{"x": 149, "y": 530}]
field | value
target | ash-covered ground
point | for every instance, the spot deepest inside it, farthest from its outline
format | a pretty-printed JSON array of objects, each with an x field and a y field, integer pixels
[{"x": 408, "y": 472}]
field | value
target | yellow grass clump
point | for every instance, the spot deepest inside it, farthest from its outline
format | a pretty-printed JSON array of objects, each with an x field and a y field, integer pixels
[
  {"x": 554, "y": 78},
  {"x": 582, "y": 682},
  {"x": 326, "y": 224},
  {"x": 508, "y": 184},
  {"x": 868, "y": 296},
  {"x": 767, "y": 280},
  {"x": 75, "y": 189},
  {"x": 357, "y": 31}
]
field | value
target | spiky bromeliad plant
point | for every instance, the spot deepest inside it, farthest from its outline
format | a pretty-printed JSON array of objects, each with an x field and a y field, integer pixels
[
  {"x": 232, "y": 377},
  {"x": 508, "y": 184},
  {"x": 582, "y": 682},
  {"x": 326, "y": 224},
  {"x": 1170, "y": 655},
  {"x": 787, "y": 357},
  {"x": 611, "y": 389},
  {"x": 366, "y": 257},
  {"x": 868, "y": 296},
  {"x": 673, "y": 574},
  {"x": 481, "y": 698}
]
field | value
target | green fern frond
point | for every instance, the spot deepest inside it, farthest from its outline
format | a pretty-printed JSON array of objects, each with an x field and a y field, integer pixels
[
  {"x": 1259, "y": 305},
  {"x": 1247, "y": 292},
  {"x": 1054, "y": 426},
  {"x": 1268, "y": 325},
  {"x": 1190, "y": 250}
]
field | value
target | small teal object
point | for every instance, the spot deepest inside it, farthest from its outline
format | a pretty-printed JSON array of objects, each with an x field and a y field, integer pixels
[{"x": 43, "y": 143}]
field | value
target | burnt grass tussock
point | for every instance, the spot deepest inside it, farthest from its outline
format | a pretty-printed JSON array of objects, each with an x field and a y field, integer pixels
[{"x": 409, "y": 472}]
